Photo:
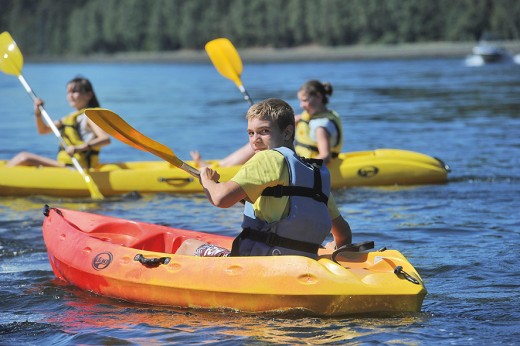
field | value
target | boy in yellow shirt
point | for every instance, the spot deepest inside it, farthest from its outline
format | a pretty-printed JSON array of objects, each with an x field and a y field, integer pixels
[{"x": 289, "y": 209}]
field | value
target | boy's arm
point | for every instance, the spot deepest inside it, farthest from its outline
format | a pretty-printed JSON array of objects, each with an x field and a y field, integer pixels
[
  {"x": 222, "y": 195},
  {"x": 341, "y": 231}
]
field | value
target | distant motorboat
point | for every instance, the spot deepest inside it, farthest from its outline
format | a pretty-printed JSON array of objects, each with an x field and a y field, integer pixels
[
  {"x": 490, "y": 53},
  {"x": 486, "y": 52}
]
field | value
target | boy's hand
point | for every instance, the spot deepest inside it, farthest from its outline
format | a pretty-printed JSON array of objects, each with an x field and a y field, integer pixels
[
  {"x": 222, "y": 195},
  {"x": 207, "y": 173}
]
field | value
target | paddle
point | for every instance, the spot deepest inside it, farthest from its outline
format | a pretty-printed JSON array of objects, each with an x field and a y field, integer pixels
[
  {"x": 115, "y": 126},
  {"x": 226, "y": 60},
  {"x": 11, "y": 62}
]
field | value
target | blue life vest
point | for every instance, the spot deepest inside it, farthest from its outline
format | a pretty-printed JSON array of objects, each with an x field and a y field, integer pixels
[{"x": 306, "y": 225}]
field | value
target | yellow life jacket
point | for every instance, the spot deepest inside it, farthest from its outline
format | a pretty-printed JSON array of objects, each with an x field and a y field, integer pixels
[
  {"x": 71, "y": 135},
  {"x": 307, "y": 147}
]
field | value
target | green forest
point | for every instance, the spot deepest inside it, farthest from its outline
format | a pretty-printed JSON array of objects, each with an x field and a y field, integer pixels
[{"x": 79, "y": 27}]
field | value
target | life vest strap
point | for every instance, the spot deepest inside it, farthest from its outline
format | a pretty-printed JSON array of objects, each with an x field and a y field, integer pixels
[
  {"x": 315, "y": 192},
  {"x": 272, "y": 239},
  {"x": 280, "y": 190}
]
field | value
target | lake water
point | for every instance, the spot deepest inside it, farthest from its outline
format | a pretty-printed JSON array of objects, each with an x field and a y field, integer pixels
[{"x": 462, "y": 236}]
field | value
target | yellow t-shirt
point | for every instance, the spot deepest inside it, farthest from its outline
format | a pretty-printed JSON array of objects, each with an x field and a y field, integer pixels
[{"x": 268, "y": 168}]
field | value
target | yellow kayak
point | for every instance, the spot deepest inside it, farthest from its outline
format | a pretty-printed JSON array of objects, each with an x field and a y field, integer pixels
[
  {"x": 136, "y": 262},
  {"x": 380, "y": 167}
]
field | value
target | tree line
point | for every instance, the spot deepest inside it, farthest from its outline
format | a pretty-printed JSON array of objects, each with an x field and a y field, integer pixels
[{"x": 77, "y": 27}]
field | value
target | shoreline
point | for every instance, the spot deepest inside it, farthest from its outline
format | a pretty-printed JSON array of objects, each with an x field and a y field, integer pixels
[{"x": 296, "y": 54}]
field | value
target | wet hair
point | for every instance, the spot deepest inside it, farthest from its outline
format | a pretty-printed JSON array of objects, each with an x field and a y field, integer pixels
[
  {"x": 315, "y": 87},
  {"x": 272, "y": 109},
  {"x": 84, "y": 85}
]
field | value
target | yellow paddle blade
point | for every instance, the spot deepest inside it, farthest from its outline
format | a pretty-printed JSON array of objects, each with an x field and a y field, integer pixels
[
  {"x": 115, "y": 126},
  {"x": 225, "y": 58},
  {"x": 11, "y": 59}
]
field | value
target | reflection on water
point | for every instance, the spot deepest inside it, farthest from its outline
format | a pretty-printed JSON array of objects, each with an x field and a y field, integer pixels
[{"x": 82, "y": 313}]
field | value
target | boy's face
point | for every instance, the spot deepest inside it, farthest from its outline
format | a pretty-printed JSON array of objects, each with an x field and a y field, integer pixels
[{"x": 265, "y": 134}]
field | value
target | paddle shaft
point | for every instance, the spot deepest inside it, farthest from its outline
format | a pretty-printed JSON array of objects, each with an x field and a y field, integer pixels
[
  {"x": 54, "y": 129},
  {"x": 191, "y": 170},
  {"x": 245, "y": 94}
]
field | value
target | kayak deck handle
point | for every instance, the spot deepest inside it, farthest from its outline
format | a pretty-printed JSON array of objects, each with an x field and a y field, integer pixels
[
  {"x": 151, "y": 262},
  {"x": 358, "y": 247},
  {"x": 173, "y": 181}
]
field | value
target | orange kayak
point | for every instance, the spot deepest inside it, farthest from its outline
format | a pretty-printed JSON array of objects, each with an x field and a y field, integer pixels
[{"x": 136, "y": 262}]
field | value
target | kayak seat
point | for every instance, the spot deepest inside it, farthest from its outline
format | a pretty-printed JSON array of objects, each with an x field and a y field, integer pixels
[
  {"x": 118, "y": 239},
  {"x": 163, "y": 242},
  {"x": 177, "y": 242},
  {"x": 154, "y": 243}
]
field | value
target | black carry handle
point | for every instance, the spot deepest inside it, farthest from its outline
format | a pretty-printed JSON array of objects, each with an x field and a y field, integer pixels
[
  {"x": 151, "y": 262},
  {"x": 399, "y": 271}
]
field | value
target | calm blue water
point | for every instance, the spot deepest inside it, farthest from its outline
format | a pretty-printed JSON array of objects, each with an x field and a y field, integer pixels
[{"x": 462, "y": 236}]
